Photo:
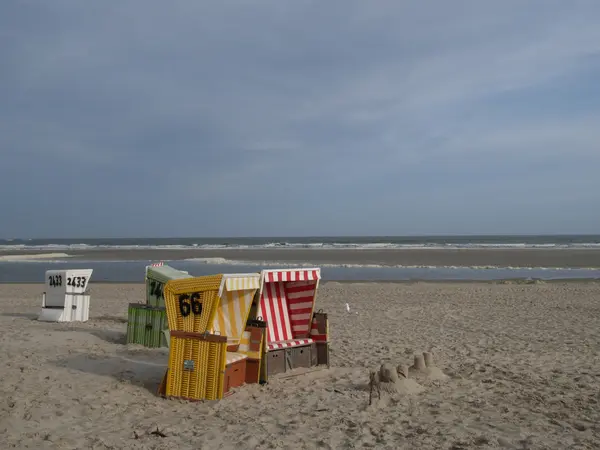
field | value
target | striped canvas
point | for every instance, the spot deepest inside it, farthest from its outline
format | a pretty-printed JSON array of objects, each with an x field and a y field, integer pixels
[
  {"x": 287, "y": 303},
  {"x": 240, "y": 282},
  {"x": 319, "y": 332},
  {"x": 158, "y": 264},
  {"x": 273, "y": 276},
  {"x": 290, "y": 343},
  {"x": 301, "y": 300},
  {"x": 232, "y": 315},
  {"x": 273, "y": 309},
  {"x": 251, "y": 343}
]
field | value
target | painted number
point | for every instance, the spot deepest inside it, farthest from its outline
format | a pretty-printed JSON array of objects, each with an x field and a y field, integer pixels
[
  {"x": 76, "y": 281},
  {"x": 156, "y": 289},
  {"x": 190, "y": 304},
  {"x": 55, "y": 280}
]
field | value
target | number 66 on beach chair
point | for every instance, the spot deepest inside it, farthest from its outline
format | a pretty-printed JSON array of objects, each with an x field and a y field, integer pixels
[
  {"x": 210, "y": 353},
  {"x": 295, "y": 336}
]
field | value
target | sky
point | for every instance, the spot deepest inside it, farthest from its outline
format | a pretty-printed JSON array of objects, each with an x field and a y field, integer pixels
[{"x": 146, "y": 118}]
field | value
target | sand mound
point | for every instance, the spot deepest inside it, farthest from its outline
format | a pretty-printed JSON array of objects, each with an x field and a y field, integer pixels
[
  {"x": 404, "y": 386},
  {"x": 392, "y": 380}
]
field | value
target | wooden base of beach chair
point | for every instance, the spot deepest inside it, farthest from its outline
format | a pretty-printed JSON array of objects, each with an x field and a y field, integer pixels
[
  {"x": 286, "y": 359},
  {"x": 322, "y": 354},
  {"x": 235, "y": 376},
  {"x": 252, "y": 371},
  {"x": 275, "y": 362},
  {"x": 299, "y": 357}
]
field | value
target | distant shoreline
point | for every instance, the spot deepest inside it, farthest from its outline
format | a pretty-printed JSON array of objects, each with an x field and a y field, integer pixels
[
  {"x": 515, "y": 281},
  {"x": 472, "y": 257}
]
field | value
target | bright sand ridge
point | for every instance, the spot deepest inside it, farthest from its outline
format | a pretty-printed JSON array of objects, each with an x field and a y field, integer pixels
[{"x": 523, "y": 362}]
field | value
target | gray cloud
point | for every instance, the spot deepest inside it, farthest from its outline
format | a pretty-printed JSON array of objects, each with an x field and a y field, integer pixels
[{"x": 301, "y": 117}]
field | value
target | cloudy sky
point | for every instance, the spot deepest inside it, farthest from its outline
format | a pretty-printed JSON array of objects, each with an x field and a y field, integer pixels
[{"x": 257, "y": 118}]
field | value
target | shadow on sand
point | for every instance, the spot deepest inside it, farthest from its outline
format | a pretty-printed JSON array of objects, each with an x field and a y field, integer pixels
[
  {"x": 139, "y": 368},
  {"x": 32, "y": 316},
  {"x": 110, "y": 336}
]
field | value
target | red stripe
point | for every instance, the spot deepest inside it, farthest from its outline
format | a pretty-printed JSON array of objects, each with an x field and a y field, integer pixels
[
  {"x": 278, "y": 318},
  {"x": 297, "y": 311},
  {"x": 287, "y": 333},
  {"x": 301, "y": 288},
  {"x": 299, "y": 299},
  {"x": 272, "y": 329},
  {"x": 291, "y": 275}
]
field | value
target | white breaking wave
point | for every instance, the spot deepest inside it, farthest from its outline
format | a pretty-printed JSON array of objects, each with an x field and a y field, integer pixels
[{"x": 303, "y": 246}]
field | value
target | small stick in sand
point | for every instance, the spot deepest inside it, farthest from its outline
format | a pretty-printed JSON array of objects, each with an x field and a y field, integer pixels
[{"x": 373, "y": 383}]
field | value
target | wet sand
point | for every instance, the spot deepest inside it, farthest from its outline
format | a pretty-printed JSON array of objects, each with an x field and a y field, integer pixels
[
  {"x": 522, "y": 365},
  {"x": 556, "y": 258}
]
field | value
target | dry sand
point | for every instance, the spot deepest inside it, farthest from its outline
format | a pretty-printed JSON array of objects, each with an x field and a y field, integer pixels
[{"x": 522, "y": 362}]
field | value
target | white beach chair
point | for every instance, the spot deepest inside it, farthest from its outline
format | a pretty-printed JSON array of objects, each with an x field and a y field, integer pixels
[{"x": 66, "y": 298}]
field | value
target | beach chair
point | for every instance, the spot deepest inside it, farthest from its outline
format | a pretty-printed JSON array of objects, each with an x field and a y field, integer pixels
[
  {"x": 147, "y": 322},
  {"x": 66, "y": 298},
  {"x": 285, "y": 303},
  {"x": 236, "y": 294},
  {"x": 233, "y": 355},
  {"x": 156, "y": 278}
]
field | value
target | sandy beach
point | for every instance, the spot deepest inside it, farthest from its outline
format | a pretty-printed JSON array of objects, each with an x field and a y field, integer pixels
[{"x": 522, "y": 364}]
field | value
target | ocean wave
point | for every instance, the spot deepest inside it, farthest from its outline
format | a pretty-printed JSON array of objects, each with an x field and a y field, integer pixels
[
  {"x": 234, "y": 262},
  {"x": 303, "y": 246}
]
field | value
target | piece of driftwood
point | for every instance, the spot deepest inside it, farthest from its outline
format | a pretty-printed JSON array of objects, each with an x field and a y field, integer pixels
[{"x": 374, "y": 384}]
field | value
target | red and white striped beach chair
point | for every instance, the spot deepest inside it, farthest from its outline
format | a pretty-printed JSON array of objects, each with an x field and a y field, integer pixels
[{"x": 286, "y": 302}]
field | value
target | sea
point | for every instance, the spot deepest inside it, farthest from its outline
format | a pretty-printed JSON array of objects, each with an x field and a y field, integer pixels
[{"x": 16, "y": 267}]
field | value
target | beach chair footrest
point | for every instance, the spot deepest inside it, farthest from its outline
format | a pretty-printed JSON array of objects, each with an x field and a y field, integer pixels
[
  {"x": 252, "y": 370},
  {"x": 322, "y": 353},
  {"x": 235, "y": 376}
]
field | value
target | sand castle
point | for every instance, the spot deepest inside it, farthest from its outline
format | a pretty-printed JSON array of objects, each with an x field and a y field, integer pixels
[{"x": 397, "y": 380}]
